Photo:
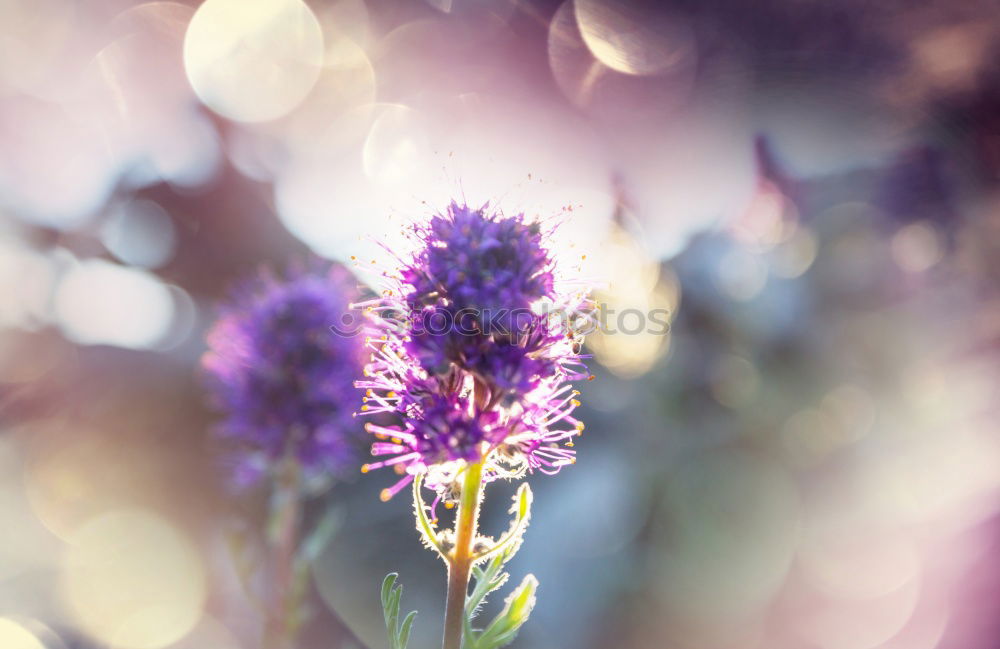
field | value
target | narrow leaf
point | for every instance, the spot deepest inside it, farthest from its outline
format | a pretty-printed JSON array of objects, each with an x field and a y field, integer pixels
[
  {"x": 387, "y": 584},
  {"x": 404, "y": 631},
  {"x": 392, "y": 594},
  {"x": 515, "y": 613},
  {"x": 510, "y": 542},
  {"x": 427, "y": 532}
]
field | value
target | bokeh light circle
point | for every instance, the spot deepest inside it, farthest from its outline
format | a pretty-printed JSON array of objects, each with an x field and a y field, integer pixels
[
  {"x": 253, "y": 60},
  {"x": 16, "y": 636},
  {"x": 630, "y": 40},
  {"x": 99, "y": 303},
  {"x": 133, "y": 580},
  {"x": 140, "y": 233}
]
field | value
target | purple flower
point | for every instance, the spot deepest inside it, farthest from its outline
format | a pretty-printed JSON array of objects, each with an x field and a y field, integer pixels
[
  {"x": 283, "y": 378},
  {"x": 471, "y": 259},
  {"x": 472, "y": 353}
]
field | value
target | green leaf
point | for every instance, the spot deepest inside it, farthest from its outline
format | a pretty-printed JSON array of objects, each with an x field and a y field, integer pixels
[
  {"x": 487, "y": 581},
  {"x": 521, "y": 603},
  {"x": 404, "y": 630},
  {"x": 505, "y": 626},
  {"x": 510, "y": 542},
  {"x": 387, "y": 585},
  {"x": 391, "y": 594},
  {"x": 426, "y": 528}
]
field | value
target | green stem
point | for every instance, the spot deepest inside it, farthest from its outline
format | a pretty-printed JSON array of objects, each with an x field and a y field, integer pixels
[
  {"x": 460, "y": 560},
  {"x": 286, "y": 514}
]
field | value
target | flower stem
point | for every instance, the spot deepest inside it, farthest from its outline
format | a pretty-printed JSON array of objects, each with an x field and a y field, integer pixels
[
  {"x": 286, "y": 514},
  {"x": 460, "y": 559}
]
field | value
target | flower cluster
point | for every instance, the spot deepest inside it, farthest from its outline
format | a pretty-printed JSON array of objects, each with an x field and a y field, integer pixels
[
  {"x": 283, "y": 378},
  {"x": 492, "y": 383}
]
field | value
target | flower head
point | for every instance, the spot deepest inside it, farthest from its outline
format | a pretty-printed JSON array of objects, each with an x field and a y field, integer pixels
[
  {"x": 471, "y": 350},
  {"x": 283, "y": 377},
  {"x": 474, "y": 260}
]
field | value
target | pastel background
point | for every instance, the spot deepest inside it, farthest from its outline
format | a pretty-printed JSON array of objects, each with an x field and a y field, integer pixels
[{"x": 809, "y": 460}]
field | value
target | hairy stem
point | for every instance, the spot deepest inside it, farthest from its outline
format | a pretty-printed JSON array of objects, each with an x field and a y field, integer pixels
[{"x": 460, "y": 559}]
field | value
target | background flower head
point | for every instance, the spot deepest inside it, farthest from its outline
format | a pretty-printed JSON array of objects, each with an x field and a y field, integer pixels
[{"x": 282, "y": 377}]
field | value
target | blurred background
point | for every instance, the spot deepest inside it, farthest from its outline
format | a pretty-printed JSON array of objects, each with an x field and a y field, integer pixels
[{"x": 809, "y": 460}]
